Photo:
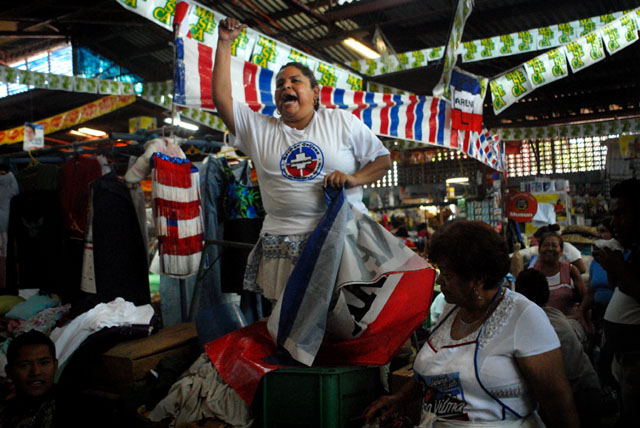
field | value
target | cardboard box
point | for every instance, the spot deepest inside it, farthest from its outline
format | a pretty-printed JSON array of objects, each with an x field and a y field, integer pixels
[{"x": 126, "y": 364}]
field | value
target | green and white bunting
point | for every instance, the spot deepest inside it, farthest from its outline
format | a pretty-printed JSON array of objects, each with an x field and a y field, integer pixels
[
  {"x": 585, "y": 51},
  {"x": 348, "y": 80},
  {"x": 289, "y": 54},
  {"x": 156, "y": 89},
  {"x": 415, "y": 59},
  {"x": 434, "y": 54},
  {"x": 463, "y": 10},
  {"x": 620, "y": 33},
  {"x": 203, "y": 24},
  {"x": 542, "y": 38},
  {"x": 384, "y": 89},
  {"x": 546, "y": 68},
  {"x": 265, "y": 53},
  {"x": 326, "y": 74},
  {"x": 548, "y": 37},
  {"x": 158, "y": 11},
  {"x": 243, "y": 44},
  {"x": 595, "y": 129},
  {"x": 509, "y": 88},
  {"x": 82, "y": 84},
  {"x": 617, "y": 34}
]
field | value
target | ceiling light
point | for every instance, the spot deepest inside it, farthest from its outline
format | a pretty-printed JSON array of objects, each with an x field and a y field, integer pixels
[
  {"x": 182, "y": 124},
  {"x": 360, "y": 48},
  {"x": 92, "y": 132},
  {"x": 458, "y": 180}
]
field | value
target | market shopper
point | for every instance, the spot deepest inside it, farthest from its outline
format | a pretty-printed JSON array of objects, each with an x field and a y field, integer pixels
[
  {"x": 622, "y": 317},
  {"x": 567, "y": 290},
  {"x": 581, "y": 375},
  {"x": 492, "y": 354},
  {"x": 295, "y": 155},
  {"x": 569, "y": 252}
]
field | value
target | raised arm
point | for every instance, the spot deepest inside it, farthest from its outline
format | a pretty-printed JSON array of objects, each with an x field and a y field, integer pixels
[{"x": 228, "y": 30}]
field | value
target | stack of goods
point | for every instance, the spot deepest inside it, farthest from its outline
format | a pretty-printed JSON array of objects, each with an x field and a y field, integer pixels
[{"x": 579, "y": 234}]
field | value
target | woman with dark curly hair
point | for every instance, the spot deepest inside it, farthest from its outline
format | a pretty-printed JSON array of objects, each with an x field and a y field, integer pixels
[{"x": 493, "y": 353}]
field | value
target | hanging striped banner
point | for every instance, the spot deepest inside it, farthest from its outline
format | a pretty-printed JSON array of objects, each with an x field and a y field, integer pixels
[{"x": 424, "y": 119}]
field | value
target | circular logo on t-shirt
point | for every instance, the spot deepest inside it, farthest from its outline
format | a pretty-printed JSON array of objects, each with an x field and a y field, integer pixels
[{"x": 302, "y": 161}]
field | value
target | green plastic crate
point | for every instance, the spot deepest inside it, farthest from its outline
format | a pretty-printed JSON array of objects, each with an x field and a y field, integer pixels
[{"x": 318, "y": 397}]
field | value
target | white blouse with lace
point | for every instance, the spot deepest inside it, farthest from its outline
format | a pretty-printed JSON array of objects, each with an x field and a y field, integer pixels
[{"x": 517, "y": 328}]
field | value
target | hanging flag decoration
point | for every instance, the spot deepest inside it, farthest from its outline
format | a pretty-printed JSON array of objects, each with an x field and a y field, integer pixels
[
  {"x": 463, "y": 10},
  {"x": 584, "y": 52},
  {"x": 509, "y": 88},
  {"x": 546, "y": 68},
  {"x": 419, "y": 118},
  {"x": 620, "y": 33},
  {"x": 590, "y": 129},
  {"x": 467, "y": 95},
  {"x": 616, "y": 34},
  {"x": 199, "y": 22},
  {"x": 367, "y": 265}
]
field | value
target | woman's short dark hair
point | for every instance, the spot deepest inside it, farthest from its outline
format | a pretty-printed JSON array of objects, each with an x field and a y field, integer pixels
[
  {"x": 533, "y": 285},
  {"x": 306, "y": 71},
  {"x": 473, "y": 250},
  {"x": 550, "y": 235},
  {"x": 551, "y": 228},
  {"x": 32, "y": 337}
]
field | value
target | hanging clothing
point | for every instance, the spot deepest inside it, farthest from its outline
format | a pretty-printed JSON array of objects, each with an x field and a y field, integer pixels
[
  {"x": 35, "y": 257},
  {"x": 120, "y": 258},
  {"x": 76, "y": 176},
  {"x": 241, "y": 200},
  {"x": 212, "y": 184},
  {"x": 8, "y": 189},
  {"x": 39, "y": 177},
  {"x": 177, "y": 213},
  {"x": 476, "y": 378}
]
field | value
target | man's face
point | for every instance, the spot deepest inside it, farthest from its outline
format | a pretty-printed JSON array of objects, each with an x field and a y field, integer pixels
[
  {"x": 33, "y": 371},
  {"x": 625, "y": 226}
]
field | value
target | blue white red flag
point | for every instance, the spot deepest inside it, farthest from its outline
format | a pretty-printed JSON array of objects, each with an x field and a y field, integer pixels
[{"x": 353, "y": 298}]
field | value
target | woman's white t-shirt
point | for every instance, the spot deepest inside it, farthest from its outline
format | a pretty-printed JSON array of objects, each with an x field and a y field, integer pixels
[{"x": 291, "y": 164}]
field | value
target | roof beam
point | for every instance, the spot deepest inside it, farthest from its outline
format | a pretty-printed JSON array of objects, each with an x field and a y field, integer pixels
[
  {"x": 296, "y": 4},
  {"x": 30, "y": 35},
  {"x": 361, "y": 8}
]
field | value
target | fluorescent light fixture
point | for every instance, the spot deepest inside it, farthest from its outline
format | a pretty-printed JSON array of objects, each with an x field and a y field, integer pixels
[
  {"x": 87, "y": 132},
  {"x": 458, "y": 180},
  {"x": 182, "y": 124},
  {"x": 92, "y": 132},
  {"x": 360, "y": 48}
]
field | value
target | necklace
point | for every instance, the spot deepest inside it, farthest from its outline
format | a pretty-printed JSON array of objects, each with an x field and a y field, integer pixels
[{"x": 484, "y": 314}]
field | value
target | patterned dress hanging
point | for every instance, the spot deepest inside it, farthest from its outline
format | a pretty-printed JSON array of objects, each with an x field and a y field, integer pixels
[{"x": 177, "y": 214}]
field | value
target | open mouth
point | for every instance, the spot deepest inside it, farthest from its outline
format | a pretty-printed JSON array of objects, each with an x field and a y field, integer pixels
[{"x": 288, "y": 98}]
